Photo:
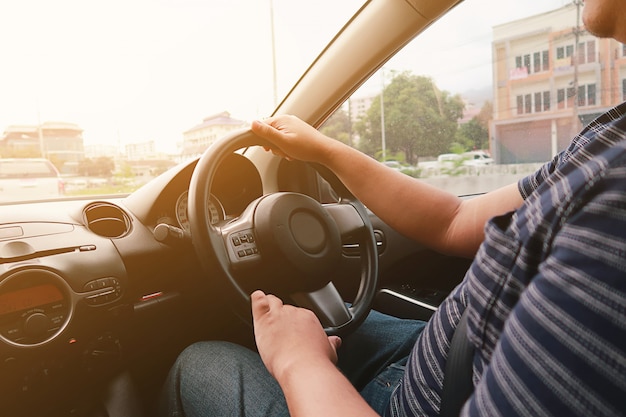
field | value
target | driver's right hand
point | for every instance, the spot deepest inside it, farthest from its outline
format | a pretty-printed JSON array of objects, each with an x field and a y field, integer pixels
[
  {"x": 289, "y": 337},
  {"x": 295, "y": 139}
]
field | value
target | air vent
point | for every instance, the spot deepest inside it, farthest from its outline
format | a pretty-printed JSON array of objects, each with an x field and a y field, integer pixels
[{"x": 107, "y": 220}]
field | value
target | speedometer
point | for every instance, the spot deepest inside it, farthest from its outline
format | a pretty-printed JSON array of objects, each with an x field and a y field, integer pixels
[{"x": 215, "y": 211}]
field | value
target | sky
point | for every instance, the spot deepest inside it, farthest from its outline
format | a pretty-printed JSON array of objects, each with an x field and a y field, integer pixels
[{"x": 130, "y": 71}]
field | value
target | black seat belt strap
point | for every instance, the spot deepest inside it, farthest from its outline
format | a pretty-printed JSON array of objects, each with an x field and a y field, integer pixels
[{"x": 457, "y": 379}]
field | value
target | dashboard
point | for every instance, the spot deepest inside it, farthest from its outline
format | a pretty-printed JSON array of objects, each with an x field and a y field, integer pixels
[{"x": 78, "y": 276}]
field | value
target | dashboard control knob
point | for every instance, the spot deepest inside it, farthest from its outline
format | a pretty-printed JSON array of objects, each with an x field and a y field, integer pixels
[{"x": 37, "y": 324}]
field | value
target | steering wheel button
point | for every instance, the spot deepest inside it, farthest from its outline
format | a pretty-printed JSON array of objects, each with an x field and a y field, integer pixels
[
  {"x": 236, "y": 241},
  {"x": 241, "y": 253}
]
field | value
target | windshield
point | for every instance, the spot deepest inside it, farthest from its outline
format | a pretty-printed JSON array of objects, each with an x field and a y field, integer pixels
[{"x": 115, "y": 93}]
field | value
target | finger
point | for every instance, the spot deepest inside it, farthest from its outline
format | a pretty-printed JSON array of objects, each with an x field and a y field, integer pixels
[
  {"x": 263, "y": 129},
  {"x": 273, "y": 301},
  {"x": 335, "y": 342},
  {"x": 260, "y": 304}
]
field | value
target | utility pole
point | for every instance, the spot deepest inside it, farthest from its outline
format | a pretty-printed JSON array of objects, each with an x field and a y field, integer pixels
[
  {"x": 577, "y": 32},
  {"x": 382, "y": 114},
  {"x": 274, "y": 83},
  {"x": 42, "y": 146}
]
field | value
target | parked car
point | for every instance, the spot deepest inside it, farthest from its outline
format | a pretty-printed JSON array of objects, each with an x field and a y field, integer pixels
[
  {"x": 29, "y": 179},
  {"x": 477, "y": 158},
  {"x": 100, "y": 293}
]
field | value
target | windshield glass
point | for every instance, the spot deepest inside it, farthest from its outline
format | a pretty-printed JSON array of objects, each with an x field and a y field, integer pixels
[{"x": 114, "y": 93}]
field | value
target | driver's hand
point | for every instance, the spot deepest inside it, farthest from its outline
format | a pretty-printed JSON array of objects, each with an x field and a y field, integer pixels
[
  {"x": 294, "y": 139},
  {"x": 287, "y": 336}
]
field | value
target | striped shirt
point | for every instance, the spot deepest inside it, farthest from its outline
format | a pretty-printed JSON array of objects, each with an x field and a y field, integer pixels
[{"x": 546, "y": 295}]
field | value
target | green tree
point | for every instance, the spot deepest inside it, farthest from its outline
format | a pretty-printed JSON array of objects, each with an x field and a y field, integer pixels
[
  {"x": 475, "y": 133},
  {"x": 420, "y": 119},
  {"x": 338, "y": 126},
  {"x": 472, "y": 135}
]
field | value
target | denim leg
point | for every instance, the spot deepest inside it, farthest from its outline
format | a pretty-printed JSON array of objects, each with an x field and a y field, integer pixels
[
  {"x": 224, "y": 379},
  {"x": 378, "y": 391},
  {"x": 379, "y": 342},
  {"x": 221, "y": 379}
]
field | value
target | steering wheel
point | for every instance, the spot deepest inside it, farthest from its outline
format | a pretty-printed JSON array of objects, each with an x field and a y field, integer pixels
[{"x": 284, "y": 243}]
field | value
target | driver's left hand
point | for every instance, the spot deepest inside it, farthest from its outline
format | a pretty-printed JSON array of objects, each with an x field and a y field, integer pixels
[{"x": 288, "y": 336}]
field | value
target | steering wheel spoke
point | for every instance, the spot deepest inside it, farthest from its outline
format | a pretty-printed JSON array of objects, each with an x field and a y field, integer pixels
[
  {"x": 327, "y": 304},
  {"x": 347, "y": 218}
]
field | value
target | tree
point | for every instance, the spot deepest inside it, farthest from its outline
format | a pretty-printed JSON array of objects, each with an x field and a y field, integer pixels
[
  {"x": 475, "y": 133},
  {"x": 338, "y": 126},
  {"x": 420, "y": 119},
  {"x": 472, "y": 135},
  {"x": 100, "y": 167}
]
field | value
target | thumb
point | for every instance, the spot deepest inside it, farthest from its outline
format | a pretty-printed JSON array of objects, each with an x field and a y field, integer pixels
[
  {"x": 263, "y": 129},
  {"x": 335, "y": 342},
  {"x": 260, "y": 304}
]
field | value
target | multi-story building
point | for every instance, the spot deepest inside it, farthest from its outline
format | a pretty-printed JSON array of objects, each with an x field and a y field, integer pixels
[
  {"x": 200, "y": 137},
  {"x": 549, "y": 78},
  {"x": 60, "y": 142}
]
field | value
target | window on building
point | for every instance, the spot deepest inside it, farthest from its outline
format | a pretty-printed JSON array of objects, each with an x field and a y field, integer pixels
[
  {"x": 545, "y": 60},
  {"x": 582, "y": 95},
  {"x": 587, "y": 52},
  {"x": 524, "y": 104},
  {"x": 534, "y": 103},
  {"x": 591, "y": 95},
  {"x": 564, "y": 51},
  {"x": 565, "y": 97},
  {"x": 560, "y": 98},
  {"x": 535, "y": 62},
  {"x": 528, "y": 105},
  {"x": 538, "y": 103},
  {"x": 586, "y": 95}
]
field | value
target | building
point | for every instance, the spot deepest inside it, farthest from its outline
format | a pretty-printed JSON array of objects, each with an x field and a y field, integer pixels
[
  {"x": 549, "y": 78},
  {"x": 60, "y": 142},
  {"x": 197, "y": 139},
  {"x": 140, "y": 150}
]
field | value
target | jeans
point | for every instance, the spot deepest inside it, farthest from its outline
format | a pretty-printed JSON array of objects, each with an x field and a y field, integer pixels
[{"x": 223, "y": 379}]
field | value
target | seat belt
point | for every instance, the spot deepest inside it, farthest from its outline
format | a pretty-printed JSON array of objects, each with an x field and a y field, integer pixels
[{"x": 457, "y": 378}]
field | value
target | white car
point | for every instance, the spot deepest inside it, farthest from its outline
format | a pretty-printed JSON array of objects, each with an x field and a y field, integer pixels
[
  {"x": 29, "y": 179},
  {"x": 477, "y": 158}
]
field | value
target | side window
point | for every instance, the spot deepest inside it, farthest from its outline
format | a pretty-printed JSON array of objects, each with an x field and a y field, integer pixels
[{"x": 473, "y": 110}]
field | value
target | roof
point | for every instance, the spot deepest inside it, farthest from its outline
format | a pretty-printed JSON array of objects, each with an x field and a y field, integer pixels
[{"x": 219, "y": 119}]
